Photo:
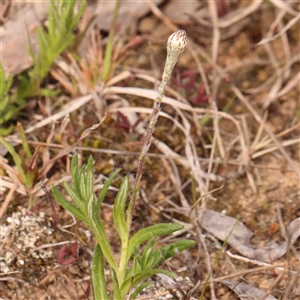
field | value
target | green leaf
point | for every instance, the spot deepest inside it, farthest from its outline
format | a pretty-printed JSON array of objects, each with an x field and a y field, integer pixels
[
  {"x": 7, "y": 107},
  {"x": 119, "y": 210},
  {"x": 90, "y": 177},
  {"x": 6, "y": 131},
  {"x": 99, "y": 232},
  {"x": 6, "y": 116},
  {"x": 148, "y": 254},
  {"x": 91, "y": 206},
  {"x": 139, "y": 289},
  {"x": 98, "y": 277},
  {"x": 136, "y": 266},
  {"x": 106, "y": 186},
  {"x": 82, "y": 185},
  {"x": 67, "y": 205},
  {"x": 158, "y": 256},
  {"x": 5, "y": 84},
  {"x": 117, "y": 292},
  {"x": 24, "y": 141},
  {"x": 148, "y": 233},
  {"x": 75, "y": 174},
  {"x": 75, "y": 197},
  {"x": 3, "y": 100},
  {"x": 136, "y": 279},
  {"x": 74, "y": 165},
  {"x": 79, "y": 14}
]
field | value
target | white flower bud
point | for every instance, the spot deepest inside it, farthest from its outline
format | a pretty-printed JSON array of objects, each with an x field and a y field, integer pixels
[{"x": 177, "y": 42}]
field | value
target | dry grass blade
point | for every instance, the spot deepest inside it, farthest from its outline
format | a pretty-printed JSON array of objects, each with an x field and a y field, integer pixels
[
  {"x": 240, "y": 14},
  {"x": 7, "y": 200},
  {"x": 70, "y": 107},
  {"x": 284, "y": 6},
  {"x": 286, "y": 28},
  {"x": 292, "y": 284},
  {"x": 266, "y": 128}
]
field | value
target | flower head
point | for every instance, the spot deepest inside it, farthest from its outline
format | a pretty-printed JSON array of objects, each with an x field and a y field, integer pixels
[{"x": 177, "y": 42}]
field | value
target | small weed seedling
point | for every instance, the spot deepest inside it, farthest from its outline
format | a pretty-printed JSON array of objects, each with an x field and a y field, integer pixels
[
  {"x": 61, "y": 22},
  {"x": 129, "y": 275}
]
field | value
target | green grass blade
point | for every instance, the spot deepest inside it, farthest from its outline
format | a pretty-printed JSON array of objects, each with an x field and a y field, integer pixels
[
  {"x": 109, "y": 46},
  {"x": 24, "y": 140}
]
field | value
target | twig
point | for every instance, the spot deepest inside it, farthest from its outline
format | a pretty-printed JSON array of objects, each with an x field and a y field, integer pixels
[{"x": 7, "y": 200}]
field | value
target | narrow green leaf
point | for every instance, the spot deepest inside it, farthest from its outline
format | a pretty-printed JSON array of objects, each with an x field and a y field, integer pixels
[
  {"x": 5, "y": 116},
  {"x": 90, "y": 177},
  {"x": 5, "y": 84},
  {"x": 74, "y": 165},
  {"x": 69, "y": 15},
  {"x": 158, "y": 256},
  {"x": 99, "y": 232},
  {"x": 106, "y": 186},
  {"x": 24, "y": 141},
  {"x": 139, "y": 289},
  {"x": 82, "y": 185},
  {"x": 98, "y": 277},
  {"x": 67, "y": 205},
  {"x": 117, "y": 292},
  {"x": 51, "y": 22},
  {"x": 119, "y": 210},
  {"x": 148, "y": 253},
  {"x": 136, "y": 266},
  {"x": 3, "y": 98},
  {"x": 90, "y": 206},
  {"x": 79, "y": 14},
  {"x": 6, "y": 131},
  {"x": 75, "y": 173},
  {"x": 75, "y": 197},
  {"x": 148, "y": 233},
  {"x": 136, "y": 279},
  {"x": 90, "y": 164}
]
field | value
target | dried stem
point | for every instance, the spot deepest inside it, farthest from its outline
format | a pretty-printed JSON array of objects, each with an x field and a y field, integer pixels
[{"x": 176, "y": 44}]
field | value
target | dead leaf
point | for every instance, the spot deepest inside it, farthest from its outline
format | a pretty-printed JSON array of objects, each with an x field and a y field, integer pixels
[
  {"x": 222, "y": 226},
  {"x": 247, "y": 292}
]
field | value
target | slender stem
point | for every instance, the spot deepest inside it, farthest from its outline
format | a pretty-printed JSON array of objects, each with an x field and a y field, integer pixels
[{"x": 176, "y": 44}]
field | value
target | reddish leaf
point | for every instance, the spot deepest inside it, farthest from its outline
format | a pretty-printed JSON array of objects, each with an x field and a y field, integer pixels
[{"x": 68, "y": 254}]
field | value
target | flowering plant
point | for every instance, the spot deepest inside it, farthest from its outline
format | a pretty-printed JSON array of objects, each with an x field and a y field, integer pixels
[{"x": 135, "y": 266}]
